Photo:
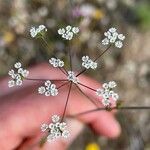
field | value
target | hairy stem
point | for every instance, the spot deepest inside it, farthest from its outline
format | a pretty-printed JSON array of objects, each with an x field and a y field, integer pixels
[
  {"x": 86, "y": 96},
  {"x": 87, "y": 87},
  {"x": 66, "y": 102},
  {"x": 45, "y": 79},
  {"x": 62, "y": 85},
  {"x": 113, "y": 108},
  {"x": 64, "y": 71}
]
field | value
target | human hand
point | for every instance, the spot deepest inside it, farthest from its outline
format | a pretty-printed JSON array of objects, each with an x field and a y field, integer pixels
[{"x": 23, "y": 110}]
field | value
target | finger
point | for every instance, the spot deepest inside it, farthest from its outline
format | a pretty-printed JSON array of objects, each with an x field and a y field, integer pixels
[{"x": 42, "y": 71}]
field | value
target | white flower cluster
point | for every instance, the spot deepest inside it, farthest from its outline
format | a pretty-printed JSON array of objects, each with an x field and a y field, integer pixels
[
  {"x": 107, "y": 93},
  {"x": 37, "y": 31},
  {"x": 72, "y": 77},
  {"x": 88, "y": 63},
  {"x": 112, "y": 36},
  {"x": 68, "y": 32},
  {"x": 49, "y": 89},
  {"x": 56, "y": 62},
  {"x": 17, "y": 75},
  {"x": 56, "y": 129}
]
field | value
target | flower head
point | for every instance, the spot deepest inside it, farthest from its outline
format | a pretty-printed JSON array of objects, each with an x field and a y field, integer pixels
[
  {"x": 17, "y": 75},
  {"x": 36, "y": 32},
  {"x": 49, "y": 89},
  {"x": 68, "y": 32},
  {"x": 56, "y": 62},
  {"x": 113, "y": 37},
  {"x": 56, "y": 129},
  {"x": 107, "y": 93},
  {"x": 72, "y": 77},
  {"x": 88, "y": 63}
]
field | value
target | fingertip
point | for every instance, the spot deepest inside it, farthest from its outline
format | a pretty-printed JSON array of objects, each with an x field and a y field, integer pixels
[
  {"x": 103, "y": 123},
  {"x": 107, "y": 126}
]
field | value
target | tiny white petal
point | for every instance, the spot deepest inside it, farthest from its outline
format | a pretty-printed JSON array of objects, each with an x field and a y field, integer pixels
[
  {"x": 19, "y": 82},
  {"x": 105, "y": 85},
  {"x": 11, "y": 72},
  {"x": 61, "y": 31},
  {"x": 47, "y": 83},
  {"x": 112, "y": 84},
  {"x": 115, "y": 96},
  {"x": 17, "y": 65},
  {"x": 11, "y": 83},
  {"x": 121, "y": 37},
  {"x": 106, "y": 102},
  {"x": 65, "y": 134},
  {"x": 20, "y": 70},
  {"x": 75, "y": 30},
  {"x": 68, "y": 28},
  {"x": 112, "y": 30},
  {"x": 41, "y": 90},
  {"x": 105, "y": 41},
  {"x": 47, "y": 93},
  {"x": 55, "y": 118},
  {"x": 118, "y": 44}
]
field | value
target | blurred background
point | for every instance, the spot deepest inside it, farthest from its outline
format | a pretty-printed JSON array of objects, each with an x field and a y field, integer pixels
[{"x": 129, "y": 66}]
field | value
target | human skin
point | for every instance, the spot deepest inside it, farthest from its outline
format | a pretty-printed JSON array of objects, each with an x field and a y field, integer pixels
[{"x": 23, "y": 110}]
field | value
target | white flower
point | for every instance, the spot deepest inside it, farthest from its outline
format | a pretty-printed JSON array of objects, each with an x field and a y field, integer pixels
[
  {"x": 72, "y": 77},
  {"x": 88, "y": 63},
  {"x": 55, "y": 118},
  {"x": 42, "y": 27},
  {"x": 41, "y": 90},
  {"x": 56, "y": 62},
  {"x": 105, "y": 85},
  {"x": 99, "y": 92},
  {"x": 68, "y": 32},
  {"x": 112, "y": 30},
  {"x": 19, "y": 82},
  {"x": 56, "y": 129},
  {"x": 121, "y": 37},
  {"x": 112, "y": 37},
  {"x": 17, "y": 75},
  {"x": 51, "y": 125},
  {"x": 44, "y": 127},
  {"x": 17, "y": 65},
  {"x": 47, "y": 83},
  {"x": 107, "y": 93},
  {"x": 54, "y": 92},
  {"x": 61, "y": 31},
  {"x": 36, "y": 31},
  {"x": 75, "y": 30},
  {"x": 118, "y": 44},
  {"x": 65, "y": 134},
  {"x": 63, "y": 126},
  {"x": 33, "y": 32},
  {"x": 68, "y": 28},
  {"x": 11, "y": 72},
  {"x": 112, "y": 84},
  {"x": 85, "y": 58},
  {"x": 115, "y": 96},
  {"x": 25, "y": 73},
  {"x": 106, "y": 102},
  {"x": 47, "y": 93},
  {"x": 49, "y": 89},
  {"x": 105, "y": 41},
  {"x": 69, "y": 36},
  {"x": 11, "y": 83}
]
